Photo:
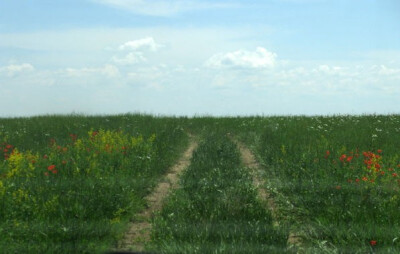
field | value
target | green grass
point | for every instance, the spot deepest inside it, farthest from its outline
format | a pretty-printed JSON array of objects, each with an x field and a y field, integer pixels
[
  {"x": 336, "y": 212},
  {"x": 101, "y": 180},
  {"x": 216, "y": 210}
]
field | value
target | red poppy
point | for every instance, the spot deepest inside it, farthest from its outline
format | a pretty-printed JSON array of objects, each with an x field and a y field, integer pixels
[
  {"x": 54, "y": 171},
  {"x": 327, "y": 153},
  {"x": 357, "y": 180},
  {"x": 365, "y": 179},
  {"x": 343, "y": 157},
  {"x": 379, "y": 151},
  {"x": 73, "y": 137},
  {"x": 394, "y": 174},
  {"x": 372, "y": 242},
  {"x": 349, "y": 158},
  {"x": 51, "y": 167}
]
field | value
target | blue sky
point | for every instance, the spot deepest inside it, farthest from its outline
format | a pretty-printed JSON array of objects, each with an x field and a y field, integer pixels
[{"x": 190, "y": 57}]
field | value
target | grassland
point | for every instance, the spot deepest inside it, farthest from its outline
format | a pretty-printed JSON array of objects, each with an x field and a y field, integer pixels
[
  {"x": 335, "y": 181},
  {"x": 69, "y": 184},
  {"x": 216, "y": 210}
]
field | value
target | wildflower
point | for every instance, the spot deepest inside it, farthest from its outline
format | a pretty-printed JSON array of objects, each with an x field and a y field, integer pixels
[
  {"x": 382, "y": 172},
  {"x": 372, "y": 242},
  {"x": 367, "y": 162},
  {"x": 349, "y": 158},
  {"x": 390, "y": 169},
  {"x": 45, "y": 156},
  {"x": 357, "y": 180},
  {"x": 54, "y": 171},
  {"x": 365, "y": 179},
  {"x": 9, "y": 146},
  {"x": 343, "y": 157},
  {"x": 372, "y": 180},
  {"x": 51, "y": 167},
  {"x": 338, "y": 187},
  {"x": 73, "y": 137},
  {"x": 394, "y": 174},
  {"x": 379, "y": 150}
]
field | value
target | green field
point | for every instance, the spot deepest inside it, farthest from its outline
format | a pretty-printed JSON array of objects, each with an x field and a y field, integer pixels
[{"x": 70, "y": 184}]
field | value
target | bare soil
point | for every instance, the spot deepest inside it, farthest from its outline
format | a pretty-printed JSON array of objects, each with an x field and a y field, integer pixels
[{"x": 139, "y": 230}]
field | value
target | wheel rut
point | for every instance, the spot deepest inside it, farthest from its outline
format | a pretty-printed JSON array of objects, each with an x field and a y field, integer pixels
[
  {"x": 294, "y": 240},
  {"x": 139, "y": 230}
]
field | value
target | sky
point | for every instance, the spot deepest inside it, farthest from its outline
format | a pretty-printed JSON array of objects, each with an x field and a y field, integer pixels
[{"x": 199, "y": 57}]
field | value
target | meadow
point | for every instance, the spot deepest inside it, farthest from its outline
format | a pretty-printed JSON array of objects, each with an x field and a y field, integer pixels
[{"x": 69, "y": 184}]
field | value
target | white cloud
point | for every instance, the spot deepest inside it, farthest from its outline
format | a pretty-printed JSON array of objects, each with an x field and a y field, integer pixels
[
  {"x": 14, "y": 69},
  {"x": 383, "y": 70},
  {"x": 131, "y": 58},
  {"x": 107, "y": 70},
  {"x": 147, "y": 43},
  {"x": 137, "y": 49},
  {"x": 162, "y": 7},
  {"x": 330, "y": 70},
  {"x": 260, "y": 58}
]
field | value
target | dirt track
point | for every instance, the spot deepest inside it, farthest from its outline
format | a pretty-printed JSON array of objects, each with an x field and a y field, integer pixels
[
  {"x": 249, "y": 161},
  {"x": 139, "y": 231}
]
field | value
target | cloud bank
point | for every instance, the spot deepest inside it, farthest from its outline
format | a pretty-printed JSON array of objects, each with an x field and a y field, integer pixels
[
  {"x": 15, "y": 69},
  {"x": 260, "y": 58}
]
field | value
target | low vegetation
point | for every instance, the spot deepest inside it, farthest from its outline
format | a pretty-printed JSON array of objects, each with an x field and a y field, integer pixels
[
  {"x": 70, "y": 183},
  {"x": 216, "y": 210}
]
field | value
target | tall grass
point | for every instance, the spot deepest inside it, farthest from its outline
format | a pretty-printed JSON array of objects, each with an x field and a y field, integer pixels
[
  {"x": 321, "y": 165},
  {"x": 71, "y": 187},
  {"x": 216, "y": 210}
]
